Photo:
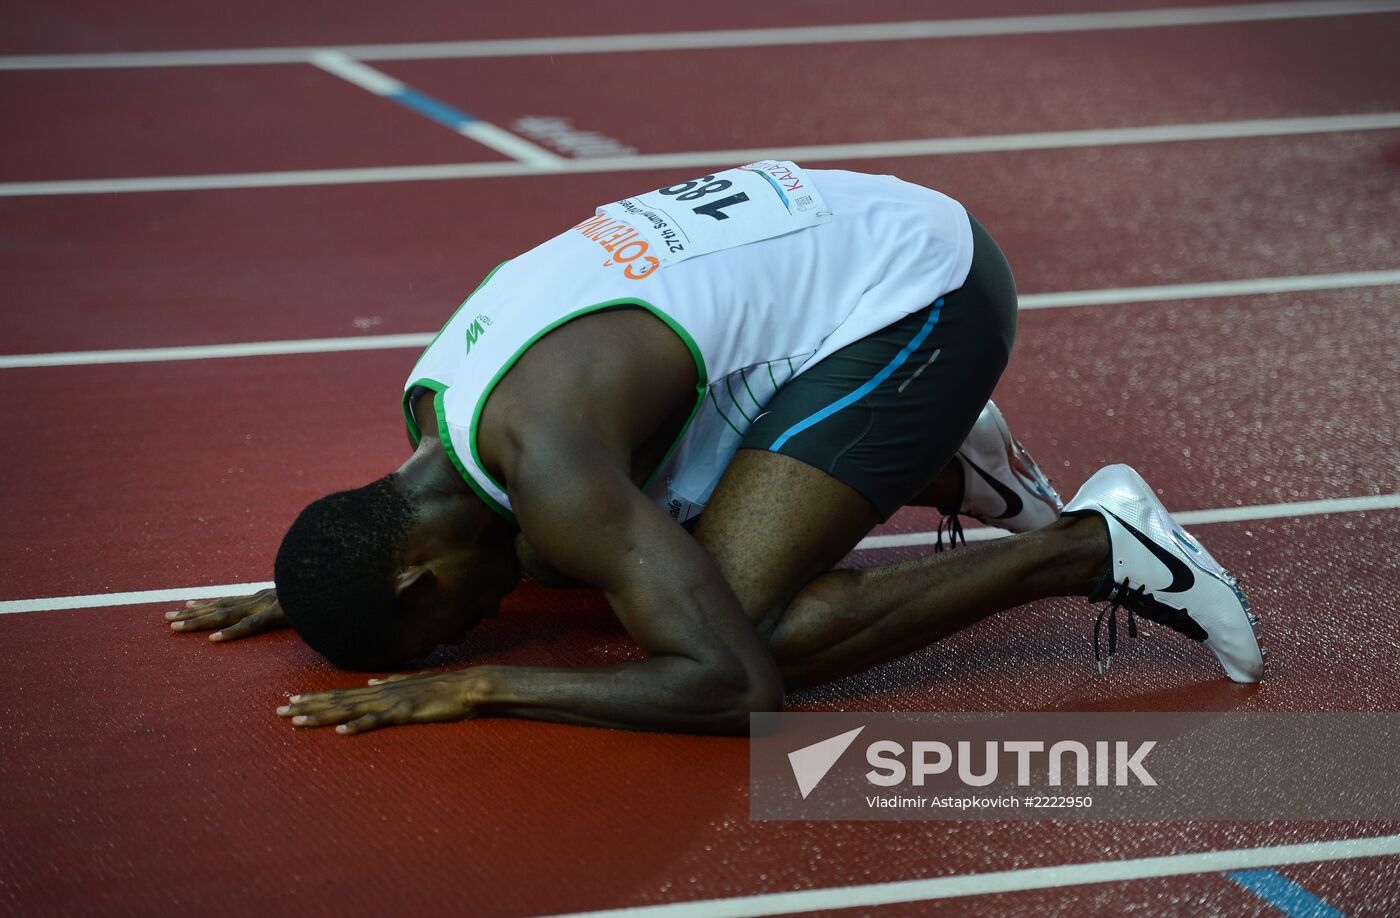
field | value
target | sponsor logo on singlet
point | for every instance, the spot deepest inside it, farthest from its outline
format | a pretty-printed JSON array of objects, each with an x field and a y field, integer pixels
[
  {"x": 624, "y": 244},
  {"x": 475, "y": 331}
]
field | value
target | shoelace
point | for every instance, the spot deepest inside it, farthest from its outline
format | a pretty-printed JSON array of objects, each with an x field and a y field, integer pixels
[
  {"x": 1123, "y": 595},
  {"x": 953, "y": 526}
]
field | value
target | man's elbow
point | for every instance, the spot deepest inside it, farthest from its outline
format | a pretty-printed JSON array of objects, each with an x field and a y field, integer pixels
[{"x": 738, "y": 691}]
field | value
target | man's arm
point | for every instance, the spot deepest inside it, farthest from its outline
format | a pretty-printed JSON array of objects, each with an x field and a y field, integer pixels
[{"x": 706, "y": 668}]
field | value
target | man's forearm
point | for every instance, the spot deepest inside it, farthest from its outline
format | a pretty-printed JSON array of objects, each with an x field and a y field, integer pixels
[{"x": 661, "y": 693}]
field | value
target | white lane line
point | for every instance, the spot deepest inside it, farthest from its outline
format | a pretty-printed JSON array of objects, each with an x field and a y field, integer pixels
[
  {"x": 1190, "y": 517},
  {"x": 1064, "y": 300},
  {"x": 1247, "y": 287},
  {"x": 1004, "y": 881},
  {"x": 1185, "y": 517},
  {"x": 136, "y": 598},
  {"x": 212, "y": 351},
  {"x": 880, "y": 149},
  {"x": 726, "y": 38}
]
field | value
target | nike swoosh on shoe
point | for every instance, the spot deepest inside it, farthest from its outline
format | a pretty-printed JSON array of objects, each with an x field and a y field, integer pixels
[
  {"x": 1182, "y": 578},
  {"x": 1013, "y": 500}
]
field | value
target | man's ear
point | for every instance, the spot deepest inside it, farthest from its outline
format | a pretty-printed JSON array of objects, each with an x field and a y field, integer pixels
[{"x": 412, "y": 580}]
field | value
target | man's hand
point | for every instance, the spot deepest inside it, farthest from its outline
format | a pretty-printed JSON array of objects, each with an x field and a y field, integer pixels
[
  {"x": 235, "y": 618},
  {"x": 417, "y": 699}
]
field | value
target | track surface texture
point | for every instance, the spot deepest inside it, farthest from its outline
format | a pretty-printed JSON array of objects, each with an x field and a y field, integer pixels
[{"x": 145, "y": 773}]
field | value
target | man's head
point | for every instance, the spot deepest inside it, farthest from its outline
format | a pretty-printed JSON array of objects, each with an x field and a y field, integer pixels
[{"x": 373, "y": 577}]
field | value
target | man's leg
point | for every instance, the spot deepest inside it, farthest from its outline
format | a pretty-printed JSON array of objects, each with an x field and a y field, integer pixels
[
  {"x": 775, "y": 524},
  {"x": 871, "y": 428}
]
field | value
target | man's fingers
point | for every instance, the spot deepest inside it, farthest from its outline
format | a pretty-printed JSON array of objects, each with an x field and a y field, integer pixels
[
  {"x": 191, "y": 610},
  {"x": 246, "y": 628},
  {"x": 257, "y": 623},
  {"x": 399, "y": 677},
  {"x": 203, "y": 622},
  {"x": 361, "y": 724},
  {"x": 198, "y": 607},
  {"x": 402, "y": 711},
  {"x": 202, "y": 609},
  {"x": 319, "y": 701},
  {"x": 334, "y": 714},
  {"x": 356, "y": 717},
  {"x": 306, "y": 705}
]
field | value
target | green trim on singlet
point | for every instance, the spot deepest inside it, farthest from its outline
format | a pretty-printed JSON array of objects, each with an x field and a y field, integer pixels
[
  {"x": 439, "y": 390},
  {"x": 700, "y": 390},
  {"x": 701, "y": 379},
  {"x": 772, "y": 377}
]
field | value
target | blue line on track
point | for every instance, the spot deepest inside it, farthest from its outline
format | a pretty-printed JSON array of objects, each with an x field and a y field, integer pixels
[
  {"x": 1283, "y": 894},
  {"x": 431, "y": 108}
]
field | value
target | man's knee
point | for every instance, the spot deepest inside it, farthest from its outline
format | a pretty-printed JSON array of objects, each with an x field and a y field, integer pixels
[
  {"x": 775, "y": 523},
  {"x": 815, "y": 618}
]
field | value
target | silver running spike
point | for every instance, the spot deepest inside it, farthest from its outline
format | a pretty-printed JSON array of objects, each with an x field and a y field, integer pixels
[{"x": 1253, "y": 619}]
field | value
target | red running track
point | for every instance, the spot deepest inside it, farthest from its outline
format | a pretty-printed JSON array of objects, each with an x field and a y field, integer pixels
[
  {"x": 174, "y": 268},
  {"x": 145, "y": 773}
]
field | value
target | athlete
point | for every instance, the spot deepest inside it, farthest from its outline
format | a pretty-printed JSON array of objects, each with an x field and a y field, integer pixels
[{"x": 796, "y": 353}]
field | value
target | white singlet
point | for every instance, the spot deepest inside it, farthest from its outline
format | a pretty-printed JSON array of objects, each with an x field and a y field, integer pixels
[{"x": 762, "y": 271}]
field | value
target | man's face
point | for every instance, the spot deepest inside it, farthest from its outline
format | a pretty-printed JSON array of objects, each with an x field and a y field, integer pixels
[{"x": 466, "y": 591}]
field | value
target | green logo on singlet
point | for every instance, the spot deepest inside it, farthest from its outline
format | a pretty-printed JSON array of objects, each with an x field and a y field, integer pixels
[{"x": 476, "y": 330}]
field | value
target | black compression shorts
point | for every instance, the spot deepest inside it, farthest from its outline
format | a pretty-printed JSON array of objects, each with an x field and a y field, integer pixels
[{"x": 887, "y": 413}]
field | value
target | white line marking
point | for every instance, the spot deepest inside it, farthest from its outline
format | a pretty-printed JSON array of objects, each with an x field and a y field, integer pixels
[
  {"x": 338, "y": 63},
  {"x": 1190, "y": 517},
  {"x": 213, "y": 351},
  {"x": 880, "y": 149},
  {"x": 1185, "y": 517},
  {"x": 728, "y": 38},
  {"x": 503, "y": 141},
  {"x": 140, "y": 597},
  {"x": 1004, "y": 881},
  {"x": 1064, "y": 300},
  {"x": 1247, "y": 287},
  {"x": 270, "y": 179},
  {"x": 1298, "y": 508}
]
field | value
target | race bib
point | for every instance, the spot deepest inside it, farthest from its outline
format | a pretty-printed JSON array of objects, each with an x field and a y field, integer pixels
[{"x": 713, "y": 213}]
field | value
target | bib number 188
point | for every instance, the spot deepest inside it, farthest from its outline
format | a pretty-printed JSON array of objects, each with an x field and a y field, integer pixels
[{"x": 687, "y": 191}]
